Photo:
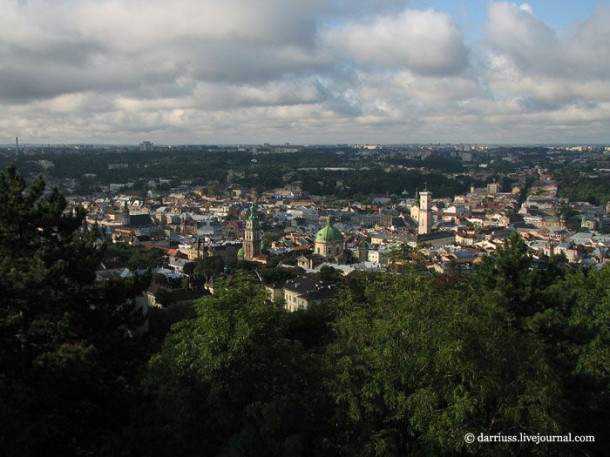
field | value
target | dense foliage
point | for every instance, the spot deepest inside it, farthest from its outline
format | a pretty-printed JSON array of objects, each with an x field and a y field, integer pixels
[
  {"x": 66, "y": 360},
  {"x": 366, "y": 182},
  {"x": 397, "y": 364},
  {"x": 576, "y": 187},
  {"x": 203, "y": 166}
]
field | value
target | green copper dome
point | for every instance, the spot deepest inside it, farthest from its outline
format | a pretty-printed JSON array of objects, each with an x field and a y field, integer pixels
[
  {"x": 329, "y": 233},
  {"x": 241, "y": 252}
]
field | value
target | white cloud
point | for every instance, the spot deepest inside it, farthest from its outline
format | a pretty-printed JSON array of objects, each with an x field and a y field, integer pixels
[
  {"x": 580, "y": 52},
  {"x": 549, "y": 78},
  {"x": 310, "y": 71},
  {"x": 426, "y": 42},
  {"x": 526, "y": 7}
]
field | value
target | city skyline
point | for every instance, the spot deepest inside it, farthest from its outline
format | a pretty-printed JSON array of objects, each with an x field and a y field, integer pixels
[{"x": 316, "y": 72}]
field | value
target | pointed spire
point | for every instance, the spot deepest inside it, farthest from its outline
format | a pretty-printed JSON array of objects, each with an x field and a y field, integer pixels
[{"x": 253, "y": 212}]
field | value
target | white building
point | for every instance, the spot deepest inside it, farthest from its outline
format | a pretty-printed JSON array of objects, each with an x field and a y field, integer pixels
[{"x": 424, "y": 215}]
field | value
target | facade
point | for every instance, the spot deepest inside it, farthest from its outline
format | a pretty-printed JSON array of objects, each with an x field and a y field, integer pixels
[
  {"x": 424, "y": 215},
  {"x": 493, "y": 188},
  {"x": 379, "y": 257},
  {"x": 329, "y": 241},
  {"x": 304, "y": 262},
  {"x": 363, "y": 252},
  {"x": 134, "y": 220},
  {"x": 301, "y": 293},
  {"x": 232, "y": 230},
  {"x": 252, "y": 236},
  {"x": 229, "y": 252},
  {"x": 436, "y": 240}
]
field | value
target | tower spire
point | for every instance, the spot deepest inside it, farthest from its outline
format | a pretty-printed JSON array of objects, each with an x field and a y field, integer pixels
[{"x": 252, "y": 241}]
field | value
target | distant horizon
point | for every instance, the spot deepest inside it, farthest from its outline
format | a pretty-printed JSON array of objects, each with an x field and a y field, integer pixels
[{"x": 267, "y": 143}]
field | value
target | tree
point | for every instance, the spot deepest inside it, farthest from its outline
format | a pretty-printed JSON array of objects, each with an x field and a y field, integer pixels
[
  {"x": 328, "y": 273},
  {"x": 575, "y": 325},
  {"x": 403, "y": 259},
  {"x": 230, "y": 382},
  {"x": 417, "y": 366},
  {"x": 207, "y": 267},
  {"x": 64, "y": 353},
  {"x": 510, "y": 279}
]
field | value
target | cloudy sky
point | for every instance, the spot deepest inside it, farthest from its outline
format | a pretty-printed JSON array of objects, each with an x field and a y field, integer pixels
[{"x": 304, "y": 71}]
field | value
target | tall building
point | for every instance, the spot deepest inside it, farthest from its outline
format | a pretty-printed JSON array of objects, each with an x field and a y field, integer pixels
[
  {"x": 125, "y": 215},
  {"x": 424, "y": 217},
  {"x": 252, "y": 235},
  {"x": 146, "y": 146}
]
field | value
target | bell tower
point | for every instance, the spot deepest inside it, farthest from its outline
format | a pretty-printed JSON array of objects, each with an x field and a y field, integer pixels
[
  {"x": 425, "y": 218},
  {"x": 252, "y": 239},
  {"x": 125, "y": 215}
]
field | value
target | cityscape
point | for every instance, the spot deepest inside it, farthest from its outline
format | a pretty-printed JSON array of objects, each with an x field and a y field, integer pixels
[
  {"x": 170, "y": 259},
  {"x": 261, "y": 206},
  {"x": 309, "y": 228}
]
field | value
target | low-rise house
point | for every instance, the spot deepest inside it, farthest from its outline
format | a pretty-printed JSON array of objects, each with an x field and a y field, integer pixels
[
  {"x": 177, "y": 263},
  {"x": 301, "y": 293},
  {"x": 379, "y": 257}
]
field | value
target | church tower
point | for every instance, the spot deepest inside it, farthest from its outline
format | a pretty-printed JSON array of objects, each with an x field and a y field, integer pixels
[
  {"x": 125, "y": 216},
  {"x": 252, "y": 241},
  {"x": 425, "y": 217}
]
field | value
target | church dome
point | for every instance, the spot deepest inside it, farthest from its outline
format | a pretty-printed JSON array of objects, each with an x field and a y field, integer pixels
[{"x": 329, "y": 233}]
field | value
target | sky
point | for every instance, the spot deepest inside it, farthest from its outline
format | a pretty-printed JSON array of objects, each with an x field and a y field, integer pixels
[{"x": 304, "y": 71}]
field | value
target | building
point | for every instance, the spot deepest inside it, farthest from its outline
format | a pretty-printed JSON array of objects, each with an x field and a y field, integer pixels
[
  {"x": 134, "y": 220},
  {"x": 146, "y": 146},
  {"x": 232, "y": 230},
  {"x": 379, "y": 256},
  {"x": 424, "y": 215},
  {"x": 229, "y": 252},
  {"x": 252, "y": 235},
  {"x": 301, "y": 293},
  {"x": 125, "y": 215},
  {"x": 437, "y": 239},
  {"x": 362, "y": 251},
  {"x": 329, "y": 241},
  {"x": 493, "y": 188}
]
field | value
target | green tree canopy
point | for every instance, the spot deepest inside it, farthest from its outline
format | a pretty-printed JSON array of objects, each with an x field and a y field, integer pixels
[
  {"x": 63, "y": 343},
  {"x": 417, "y": 366},
  {"x": 576, "y": 327},
  {"x": 230, "y": 381}
]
